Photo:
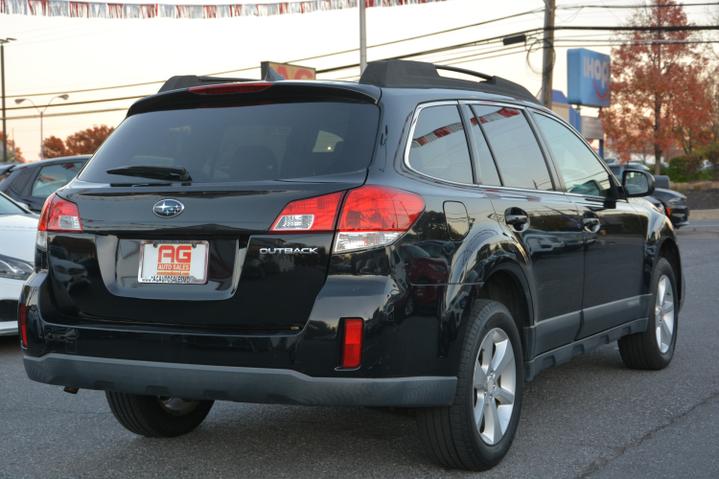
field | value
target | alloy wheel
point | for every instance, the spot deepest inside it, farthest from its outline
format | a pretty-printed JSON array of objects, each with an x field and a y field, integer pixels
[
  {"x": 495, "y": 381},
  {"x": 664, "y": 314}
]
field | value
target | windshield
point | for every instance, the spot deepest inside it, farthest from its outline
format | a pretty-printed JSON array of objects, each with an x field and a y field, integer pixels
[
  {"x": 247, "y": 143},
  {"x": 7, "y": 207}
]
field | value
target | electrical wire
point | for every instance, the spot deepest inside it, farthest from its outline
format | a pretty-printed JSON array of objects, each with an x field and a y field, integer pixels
[
  {"x": 84, "y": 102},
  {"x": 394, "y": 42},
  {"x": 309, "y": 58},
  {"x": 48, "y": 115}
]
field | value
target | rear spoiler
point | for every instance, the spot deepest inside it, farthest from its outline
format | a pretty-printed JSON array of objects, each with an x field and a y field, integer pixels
[{"x": 194, "y": 93}]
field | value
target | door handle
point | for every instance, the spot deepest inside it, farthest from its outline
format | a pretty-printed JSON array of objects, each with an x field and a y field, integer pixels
[
  {"x": 517, "y": 219},
  {"x": 591, "y": 224}
]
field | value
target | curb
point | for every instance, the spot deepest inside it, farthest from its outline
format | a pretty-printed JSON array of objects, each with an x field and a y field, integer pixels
[{"x": 704, "y": 215}]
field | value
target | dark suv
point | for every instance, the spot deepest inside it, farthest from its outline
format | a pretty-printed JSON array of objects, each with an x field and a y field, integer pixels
[{"x": 409, "y": 240}]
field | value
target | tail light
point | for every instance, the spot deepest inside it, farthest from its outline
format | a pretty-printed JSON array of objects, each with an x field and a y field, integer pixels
[
  {"x": 375, "y": 216},
  {"x": 57, "y": 214},
  {"x": 22, "y": 323},
  {"x": 371, "y": 216},
  {"x": 352, "y": 343},
  {"x": 309, "y": 215}
]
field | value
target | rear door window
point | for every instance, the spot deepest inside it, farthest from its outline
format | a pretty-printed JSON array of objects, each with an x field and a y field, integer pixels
[
  {"x": 53, "y": 177},
  {"x": 579, "y": 168},
  {"x": 439, "y": 146},
  {"x": 484, "y": 167},
  {"x": 519, "y": 158},
  {"x": 244, "y": 143}
]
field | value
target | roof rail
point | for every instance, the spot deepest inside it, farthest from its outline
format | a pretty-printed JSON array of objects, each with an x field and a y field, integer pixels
[
  {"x": 186, "y": 81},
  {"x": 411, "y": 74}
]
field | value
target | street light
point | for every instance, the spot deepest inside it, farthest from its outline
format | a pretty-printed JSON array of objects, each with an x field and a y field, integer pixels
[{"x": 64, "y": 96}]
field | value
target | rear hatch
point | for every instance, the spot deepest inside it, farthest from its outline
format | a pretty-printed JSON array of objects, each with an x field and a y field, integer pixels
[{"x": 196, "y": 250}]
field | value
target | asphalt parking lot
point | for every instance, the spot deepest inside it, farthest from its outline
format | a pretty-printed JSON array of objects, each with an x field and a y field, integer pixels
[{"x": 588, "y": 418}]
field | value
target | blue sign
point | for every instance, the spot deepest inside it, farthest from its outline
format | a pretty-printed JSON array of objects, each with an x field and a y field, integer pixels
[{"x": 587, "y": 77}]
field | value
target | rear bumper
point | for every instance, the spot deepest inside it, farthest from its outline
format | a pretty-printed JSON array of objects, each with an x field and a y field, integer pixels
[
  {"x": 8, "y": 328},
  {"x": 679, "y": 216},
  {"x": 244, "y": 384},
  {"x": 10, "y": 290}
]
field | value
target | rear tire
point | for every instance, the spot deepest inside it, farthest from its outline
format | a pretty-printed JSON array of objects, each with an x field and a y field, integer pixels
[
  {"x": 654, "y": 348},
  {"x": 476, "y": 431},
  {"x": 152, "y": 416}
]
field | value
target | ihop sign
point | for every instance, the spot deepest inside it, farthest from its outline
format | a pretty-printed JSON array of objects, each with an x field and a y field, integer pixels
[{"x": 587, "y": 77}]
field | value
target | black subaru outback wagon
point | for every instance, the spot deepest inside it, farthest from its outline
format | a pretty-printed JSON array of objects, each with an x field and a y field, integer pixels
[{"x": 409, "y": 240}]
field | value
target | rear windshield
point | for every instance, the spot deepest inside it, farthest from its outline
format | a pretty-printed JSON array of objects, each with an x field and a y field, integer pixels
[{"x": 246, "y": 143}]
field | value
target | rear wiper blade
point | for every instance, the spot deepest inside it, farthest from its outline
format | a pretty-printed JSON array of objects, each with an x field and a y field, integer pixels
[{"x": 153, "y": 172}]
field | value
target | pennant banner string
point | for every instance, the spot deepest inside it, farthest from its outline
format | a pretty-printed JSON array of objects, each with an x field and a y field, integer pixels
[{"x": 79, "y": 9}]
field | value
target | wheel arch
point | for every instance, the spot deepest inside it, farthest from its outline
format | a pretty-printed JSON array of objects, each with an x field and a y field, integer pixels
[
  {"x": 669, "y": 250},
  {"x": 508, "y": 284}
]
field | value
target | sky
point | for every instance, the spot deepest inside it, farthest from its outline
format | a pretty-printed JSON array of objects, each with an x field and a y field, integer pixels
[{"x": 58, "y": 55}]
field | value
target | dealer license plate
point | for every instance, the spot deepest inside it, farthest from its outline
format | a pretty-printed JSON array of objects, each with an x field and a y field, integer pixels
[{"x": 173, "y": 262}]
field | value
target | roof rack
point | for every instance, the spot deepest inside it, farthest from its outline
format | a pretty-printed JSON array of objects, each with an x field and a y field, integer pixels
[
  {"x": 186, "y": 81},
  {"x": 411, "y": 74}
]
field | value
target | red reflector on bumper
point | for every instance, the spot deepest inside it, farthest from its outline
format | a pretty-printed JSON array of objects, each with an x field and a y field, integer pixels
[
  {"x": 22, "y": 323},
  {"x": 352, "y": 343}
]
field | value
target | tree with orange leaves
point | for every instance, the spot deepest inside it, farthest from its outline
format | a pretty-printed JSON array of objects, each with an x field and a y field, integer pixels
[
  {"x": 660, "y": 93},
  {"x": 87, "y": 141},
  {"x": 53, "y": 147},
  {"x": 83, "y": 142},
  {"x": 14, "y": 155}
]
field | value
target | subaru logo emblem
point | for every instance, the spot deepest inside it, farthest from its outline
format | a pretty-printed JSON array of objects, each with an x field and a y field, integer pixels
[{"x": 168, "y": 208}]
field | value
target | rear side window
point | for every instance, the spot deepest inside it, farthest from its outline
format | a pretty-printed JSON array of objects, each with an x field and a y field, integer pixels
[
  {"x": 519, "y": 159},
  {"x": 439, "y": 146},
  {"x": 53, "y": 177},
  {"x": 244, "y": 143},
  {"x": 18, "y": 180}
]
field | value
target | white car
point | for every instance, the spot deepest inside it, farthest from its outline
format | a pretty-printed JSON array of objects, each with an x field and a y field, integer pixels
[{"x": 18, "y": 227}]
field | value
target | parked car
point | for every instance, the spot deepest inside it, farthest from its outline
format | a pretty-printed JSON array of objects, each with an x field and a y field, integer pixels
[
  {"x": 672, "y": 203},
  {"x": 17, "y": 250},
  {"x": 5, "y": 167},
  {"x": 675, "y": 205},
  {"x": 32, "y": 183},
  {"x": 414, "y": 240}
]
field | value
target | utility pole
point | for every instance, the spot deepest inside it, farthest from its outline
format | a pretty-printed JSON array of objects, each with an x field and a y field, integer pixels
[
  {"x": 548, "y": 52},
  {"x": 363, "y": 34},
  {"x": 3, "y": 41}
]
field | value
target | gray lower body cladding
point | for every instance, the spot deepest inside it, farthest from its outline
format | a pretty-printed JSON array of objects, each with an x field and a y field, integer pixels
[{"x": 243, "y": 384}]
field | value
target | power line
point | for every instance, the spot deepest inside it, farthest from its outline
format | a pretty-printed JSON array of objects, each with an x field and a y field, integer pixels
[
  {"x": 642, "y": 28},
  {"x": 84, "y": 102},
  {"x": 27, "y": 117},
  {"x": 314, "y": 57},
  {"x": 437, "y": 50},
  {"x": 465, "y": 58},
  {"x": 636, "y": 6},
  {"x": 668, "y": 28},
  {"x": 392, "y": 42}
]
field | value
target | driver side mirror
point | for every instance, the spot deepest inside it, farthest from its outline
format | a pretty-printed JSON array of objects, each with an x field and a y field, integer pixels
[{"x": 637, "y": 183}]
